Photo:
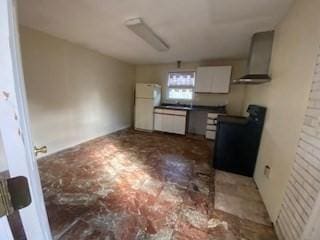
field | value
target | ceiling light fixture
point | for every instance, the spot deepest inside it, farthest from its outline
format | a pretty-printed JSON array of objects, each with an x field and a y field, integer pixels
[{"x": 145, "y": 32}]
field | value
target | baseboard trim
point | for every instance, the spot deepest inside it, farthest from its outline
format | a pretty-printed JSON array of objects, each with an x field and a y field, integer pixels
[{"x": 84, "y": 141}]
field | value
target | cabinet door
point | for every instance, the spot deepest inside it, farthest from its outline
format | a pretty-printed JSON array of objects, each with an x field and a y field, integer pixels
[
  {"x": 170, "y": 123},
  {"x": 167, "y": 123},
  {"x": 213, "y": 79},
  {"x": 179, "y": 124},
  {"x": 158, "y": 122},
  {"x": 221, "y": 79},
  {"x": 204, "y": 79}
]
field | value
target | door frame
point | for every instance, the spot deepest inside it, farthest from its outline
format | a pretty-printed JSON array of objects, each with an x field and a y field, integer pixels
[{"x": 15, "y": 125}]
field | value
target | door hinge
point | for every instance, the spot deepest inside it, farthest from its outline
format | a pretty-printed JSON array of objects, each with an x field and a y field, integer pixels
[{"x": 14, "y": 195}]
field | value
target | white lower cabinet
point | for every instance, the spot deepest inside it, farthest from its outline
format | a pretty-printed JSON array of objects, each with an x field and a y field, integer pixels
[
  {"x": 171, "y": 121},
  {"x": 211, "y": 126}
]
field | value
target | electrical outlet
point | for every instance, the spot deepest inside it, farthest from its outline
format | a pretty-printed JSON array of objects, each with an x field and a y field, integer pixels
[{"x": 267, "y": 170}]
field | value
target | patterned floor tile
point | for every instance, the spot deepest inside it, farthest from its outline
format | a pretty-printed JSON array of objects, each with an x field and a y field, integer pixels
[{"x": 147, "y": 186}]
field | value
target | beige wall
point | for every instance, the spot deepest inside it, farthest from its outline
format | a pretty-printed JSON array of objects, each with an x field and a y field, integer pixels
[
  {"x": 158, "y": 73},
  {"x": 74, "y": 94},
  {"x": 295, "y": 48}
]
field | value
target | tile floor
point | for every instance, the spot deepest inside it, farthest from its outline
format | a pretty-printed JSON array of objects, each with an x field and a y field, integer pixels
[
  {"x": 133, "y": 185},
  {"x": 238, "y": 203}
]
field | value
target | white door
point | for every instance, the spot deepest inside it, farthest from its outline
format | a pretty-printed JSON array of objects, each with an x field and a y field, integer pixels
[
  {"x": 144, "y": 114},
  {"x": 14, "y": 128}
]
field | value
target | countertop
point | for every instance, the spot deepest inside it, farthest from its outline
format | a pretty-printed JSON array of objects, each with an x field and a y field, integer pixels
[
  {"x": 233, "y": 119},
  {"x": 213, "y": 109}
]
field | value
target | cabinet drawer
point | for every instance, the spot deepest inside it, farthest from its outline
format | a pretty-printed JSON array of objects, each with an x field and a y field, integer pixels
[
  {"x": 170, "y": 112},
  {"x": 210, "y": 121},
  {"x": 212, "y": 115},
  {"x": 211, "y": 135},
  {"x": 211, "y": 127}
]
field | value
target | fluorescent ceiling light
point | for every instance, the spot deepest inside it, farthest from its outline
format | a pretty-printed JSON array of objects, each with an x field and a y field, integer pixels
[{"x": 145, "y": 32}]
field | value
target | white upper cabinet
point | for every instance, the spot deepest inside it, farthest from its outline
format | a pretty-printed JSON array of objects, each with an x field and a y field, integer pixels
[{"x": 213, "y": 79}]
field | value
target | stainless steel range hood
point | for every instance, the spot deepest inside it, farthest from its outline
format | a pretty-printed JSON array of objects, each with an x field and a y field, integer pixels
[{"x": 259, "y": 59}]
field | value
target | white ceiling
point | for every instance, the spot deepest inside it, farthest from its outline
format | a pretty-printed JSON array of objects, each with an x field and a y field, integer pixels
[{"x": 194, "y": 29}]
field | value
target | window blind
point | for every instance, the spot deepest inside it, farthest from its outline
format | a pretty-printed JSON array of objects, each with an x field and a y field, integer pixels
[{"x": 181, "y": 79}]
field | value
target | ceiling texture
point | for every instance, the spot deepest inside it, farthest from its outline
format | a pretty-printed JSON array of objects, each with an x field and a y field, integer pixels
[{"x": 194, "y": 29}]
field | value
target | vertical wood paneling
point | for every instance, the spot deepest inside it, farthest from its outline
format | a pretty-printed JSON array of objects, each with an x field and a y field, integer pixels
[{"x": 304, "y": 183}]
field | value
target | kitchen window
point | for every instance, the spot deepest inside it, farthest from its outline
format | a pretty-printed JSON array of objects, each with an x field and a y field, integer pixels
[{"x": 181, "y": 85}]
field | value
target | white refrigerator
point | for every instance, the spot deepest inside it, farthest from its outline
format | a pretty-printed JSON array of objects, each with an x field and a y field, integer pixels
[{"x": 147, "y": 96}]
